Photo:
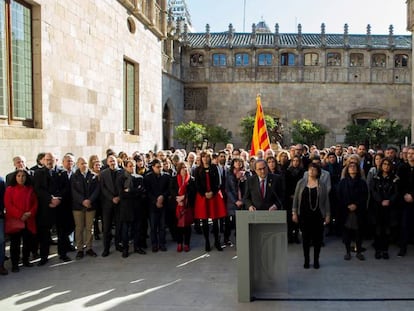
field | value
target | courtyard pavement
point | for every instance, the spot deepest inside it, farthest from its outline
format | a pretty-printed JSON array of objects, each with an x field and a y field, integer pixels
[{"x": 208, "y": 281}]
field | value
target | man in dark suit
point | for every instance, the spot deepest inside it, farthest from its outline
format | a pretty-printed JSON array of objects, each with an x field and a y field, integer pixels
[
  {"x": 49, "y": 194},
  {"x": 264, "y": 191},
  {"x": 110, "y": 200}
]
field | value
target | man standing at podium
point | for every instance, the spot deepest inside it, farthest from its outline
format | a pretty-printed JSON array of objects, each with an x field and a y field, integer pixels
[{"x": 264, "y": 191}]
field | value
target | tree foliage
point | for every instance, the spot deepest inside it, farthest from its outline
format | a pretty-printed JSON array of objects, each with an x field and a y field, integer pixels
[
  {"x": 307, "y": 132},
  {"x": 247, "y": 125},
  {"x": 217, "y": 134},
  {"x": 377, "y": 133},
  {"x": 190, "y": 133}
]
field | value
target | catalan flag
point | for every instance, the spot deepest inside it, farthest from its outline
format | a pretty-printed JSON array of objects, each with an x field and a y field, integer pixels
[{"x": 260, "y": 139}]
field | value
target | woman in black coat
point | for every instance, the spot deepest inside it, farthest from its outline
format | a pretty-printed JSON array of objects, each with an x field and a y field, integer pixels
[
  {"x": 384, "y": 195},
  {"x": 352, "y": 195},
  {"x": 131, "y": 208}
]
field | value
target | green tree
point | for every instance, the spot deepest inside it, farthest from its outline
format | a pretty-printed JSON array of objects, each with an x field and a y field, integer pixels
[
  {"x": 190, "y": 132},
  {"x": 217, "y": 134},
  {"x": 247, "y": 125},
  {"x": 307, "y": 132},
  {"x": 377, "y": 132}
]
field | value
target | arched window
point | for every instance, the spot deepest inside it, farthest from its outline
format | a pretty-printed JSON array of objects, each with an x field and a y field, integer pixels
[
  {"x": 311, "y": 59},
  {"x": 287, "y": 59},
  {"x": 219, "y": 60},
  {"x": 356, "y": 60},
  {"x": 196, "y": 60},
  {"x": 401, "y": 60},
  {"x": 265, "y": 59},
  {"x": 334, "y": 59},
  {"x": 241, "y": 59},
  {"x": 379, "y": 60}
]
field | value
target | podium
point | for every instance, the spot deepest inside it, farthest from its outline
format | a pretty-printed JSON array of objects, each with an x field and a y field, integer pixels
[{"x": 262, "y": 268}]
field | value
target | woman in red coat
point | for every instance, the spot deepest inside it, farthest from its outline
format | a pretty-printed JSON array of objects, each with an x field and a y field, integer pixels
[
  {"x": 209, "y": 202},
  {"x": 21, "y": 205}
]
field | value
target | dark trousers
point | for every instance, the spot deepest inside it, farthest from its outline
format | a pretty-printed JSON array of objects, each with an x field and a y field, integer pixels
[
  {"x": 43, "y": 234},
  {"x": 15, "y": 242},
  {"x": 407, "y": 223},
  {"x": 352, "y": 234},
  {"x": 312, "y": 234},
  {"x": 206, "y": 232},
  {"x": 183, "y": 235},
  {"x": 157, "y": 221},
  {"x": 229, "y": 224},
  {"x": 63, "y": 245},
  {"x": 110, "y": 217}
]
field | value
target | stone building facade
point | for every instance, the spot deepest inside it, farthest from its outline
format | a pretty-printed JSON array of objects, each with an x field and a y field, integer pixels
[
  {"x": 80, "y": 76},
  {"x": 332, "y": 79}
]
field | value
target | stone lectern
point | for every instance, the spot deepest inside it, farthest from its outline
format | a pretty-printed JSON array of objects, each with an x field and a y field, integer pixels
[{"x": 261, "y": 254}]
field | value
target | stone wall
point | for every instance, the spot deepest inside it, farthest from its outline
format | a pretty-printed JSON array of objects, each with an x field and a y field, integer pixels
[
  {"x": 331, "y": 104},
  {"x": 79, "y": 49}
]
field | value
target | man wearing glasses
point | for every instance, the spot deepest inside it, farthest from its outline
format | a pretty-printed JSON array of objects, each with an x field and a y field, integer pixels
[{"x": 264, "y": 190}]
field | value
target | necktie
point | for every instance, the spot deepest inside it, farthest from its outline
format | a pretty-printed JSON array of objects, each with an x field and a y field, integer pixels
[{"x": 262, "y": 188}]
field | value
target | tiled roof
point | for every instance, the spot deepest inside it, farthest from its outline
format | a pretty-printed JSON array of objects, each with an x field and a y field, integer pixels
[{"x": 221, "y": 40}]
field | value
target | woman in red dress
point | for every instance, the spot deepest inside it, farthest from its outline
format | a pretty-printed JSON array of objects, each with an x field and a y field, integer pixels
[
  {"x": 21, "y": 206},
  {"x": 209, "y": 202}
]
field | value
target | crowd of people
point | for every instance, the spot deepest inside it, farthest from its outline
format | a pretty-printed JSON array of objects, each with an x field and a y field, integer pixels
[{"x": 131, "y": 202}]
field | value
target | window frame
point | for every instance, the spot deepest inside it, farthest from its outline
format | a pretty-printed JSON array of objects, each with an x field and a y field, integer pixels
[
  {"x": 219, "y": 60},
  {"x": 12, "y": 66},
  {"x": 312, "y": 61},
  {"x": 242, "y": 63},
  {"x": 330, "y": 57},
  {"x": 130, "y": 106},
  {"x": 357, "y": 64},
  {"x": 266, "y": 61},
  {"x": 197, "y": 59},
  {"x": 286, "y": 59},
  {"x": 376, "y": 64},
  {"x": 403, "y": 58}
]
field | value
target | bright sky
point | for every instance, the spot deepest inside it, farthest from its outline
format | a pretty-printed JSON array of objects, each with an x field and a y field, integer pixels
[{"x": 310, "y": 13}]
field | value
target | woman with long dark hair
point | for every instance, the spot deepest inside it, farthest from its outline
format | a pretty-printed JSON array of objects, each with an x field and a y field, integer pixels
[
  {"x": 209, "y": 202},
  {"x": 21, "y": 206},
  {"x": 384, "y": 195},
  {"x": 352, "y": 195}
]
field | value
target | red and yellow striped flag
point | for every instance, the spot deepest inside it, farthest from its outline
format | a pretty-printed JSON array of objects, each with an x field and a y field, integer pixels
[{"x": 260, "y": 139}]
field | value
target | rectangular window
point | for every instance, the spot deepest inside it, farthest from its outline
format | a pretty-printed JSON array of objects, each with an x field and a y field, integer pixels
[
  {"x": 379, "y": 60},
  {"x": 401, "y": 60},
  {"x": 287, "y": 59},
  {"x": 219, "y": 60},
  {"x": 242, "y": 59},
  {"x": 334, "y": 59},
  {"x": 311, "y": 59},
  {"x": 130, "y": 97},
  {"x": 356, "y": 60},
  {"x": 265, "y": 59},
  {"x": 16, "y": 84}
]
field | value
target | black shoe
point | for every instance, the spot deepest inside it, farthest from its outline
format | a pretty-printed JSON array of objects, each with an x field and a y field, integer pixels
[
  {"x": 385, "y": 255},
  {"x": 208, "y": 247},
  {"x": 119, "y": 248},
  {"x": 79, "y": 255},
  {"x": 347, "y": 256},
  {"x": 140, "y": 251},
  {"x": 3, "y": 271},
  {"x": 154, "y": 249},
  {"x": 105, "y": 253},
  {"x": 125, "y": 253},
  {"x": 306, "y": 265},
  {"x": 218, "y": 247},
  {"x": 42, "y": 262},
  {"x": 316, "y": 265},
  {"x": 91, "y": 253},
  {"x": 65, "y": 258},
  {"x": 71, "y": 248},
  {"x": 97, "y": 237},
  {"x": 402, "y": 252},
  {"x": 360, "y": 256},
  {"x": 27, "y": 263},
  {"x": 35, "y": 256},
  {"x": 378, "y": 255},
  {"x": 15, "y": 269},
  {"x": 163, "y": 248}
]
